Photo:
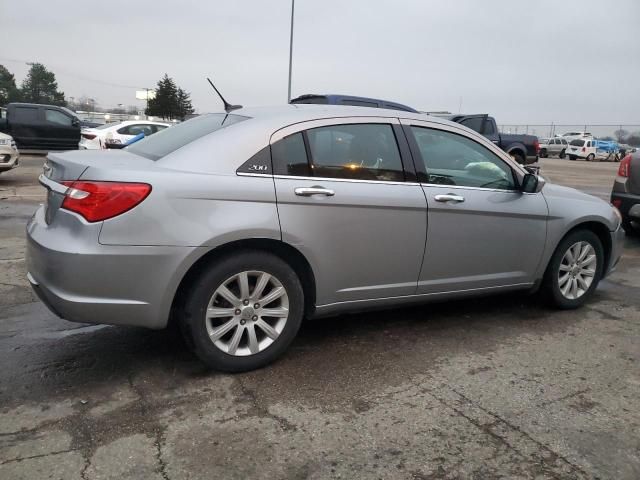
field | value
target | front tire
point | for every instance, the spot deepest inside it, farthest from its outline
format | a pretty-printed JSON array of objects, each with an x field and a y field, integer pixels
[
  {"x": 575, "y": 269},
  {"x": 243, "y": 312},
  {"x": 591, "y": 157}
]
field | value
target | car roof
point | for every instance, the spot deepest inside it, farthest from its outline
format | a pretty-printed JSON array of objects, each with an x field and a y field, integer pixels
[{"x": 277, "y": 117}]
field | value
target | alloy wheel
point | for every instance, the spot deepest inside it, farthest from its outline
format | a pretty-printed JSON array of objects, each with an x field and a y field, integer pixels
[
  {"x": 247, "y": 313},
  {"x": 577, "y": 270}
]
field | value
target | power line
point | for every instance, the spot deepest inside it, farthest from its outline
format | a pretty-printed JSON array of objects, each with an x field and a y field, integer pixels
[{"x": 76, "y": 75}]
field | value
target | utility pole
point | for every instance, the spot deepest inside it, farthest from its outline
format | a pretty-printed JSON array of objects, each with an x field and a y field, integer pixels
[{"x": 293, "y": 3}]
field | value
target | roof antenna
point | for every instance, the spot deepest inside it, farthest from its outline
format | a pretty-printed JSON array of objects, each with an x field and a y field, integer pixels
[{"x": 227, "y": 106}]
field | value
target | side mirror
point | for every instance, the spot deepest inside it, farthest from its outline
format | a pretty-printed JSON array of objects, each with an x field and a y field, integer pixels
[{"x": 530, "y": 183}]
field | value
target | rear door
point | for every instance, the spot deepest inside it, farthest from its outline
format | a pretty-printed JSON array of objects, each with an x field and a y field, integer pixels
[
  {"x": 483, "y": 232},
  {"x": 26, "y": 126},
  {"x": 349, "y": 201}
]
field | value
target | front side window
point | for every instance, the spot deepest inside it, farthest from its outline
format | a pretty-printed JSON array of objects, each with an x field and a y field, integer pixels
[
  {"x": 355, "y": 151},
  {"x": 59, "y": 118},
  {"x": 452, "y": 159}
]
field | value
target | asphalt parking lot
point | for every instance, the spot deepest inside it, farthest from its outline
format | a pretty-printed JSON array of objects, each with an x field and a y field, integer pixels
[{"x": 498, "y": 387}]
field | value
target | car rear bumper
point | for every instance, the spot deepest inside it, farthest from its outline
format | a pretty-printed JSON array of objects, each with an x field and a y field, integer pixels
[
  {"x": 82, "y": 281},
  {"x": 628, "y": 204}
]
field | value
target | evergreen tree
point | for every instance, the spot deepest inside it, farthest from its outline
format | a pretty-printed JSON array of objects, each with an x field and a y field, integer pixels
[
  {"x": 164, "y": 104},
  {"x": 8, "y": 90},
  {"x": 40, "y": 86},
  {"x": 170, "y": 102},
  {"x": 184, "y": 104}
]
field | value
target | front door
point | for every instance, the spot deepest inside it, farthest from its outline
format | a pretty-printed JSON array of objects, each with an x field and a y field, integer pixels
[
  {"x": 483, "y": 232},
  {"x": 347, "y": 203}
]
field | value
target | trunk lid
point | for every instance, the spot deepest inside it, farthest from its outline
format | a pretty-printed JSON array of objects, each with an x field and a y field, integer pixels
[{"x": 69, "y": 166}]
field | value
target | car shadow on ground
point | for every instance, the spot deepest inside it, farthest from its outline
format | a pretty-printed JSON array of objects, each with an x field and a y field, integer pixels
[{"x": 376, "y": 344}]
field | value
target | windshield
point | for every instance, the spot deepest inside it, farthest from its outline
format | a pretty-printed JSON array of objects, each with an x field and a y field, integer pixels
[
  {"x": 577, "y": 143},
  {"x": 171, "y": 139}
]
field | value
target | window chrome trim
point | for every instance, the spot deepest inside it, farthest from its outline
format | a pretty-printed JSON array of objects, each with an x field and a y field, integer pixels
[
  {"x": 462, "y": 187},
  {"x": 326, "y": 179}
]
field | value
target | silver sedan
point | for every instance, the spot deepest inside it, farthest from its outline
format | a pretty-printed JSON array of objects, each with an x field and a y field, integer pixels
[{"x": 237, "y": 226}]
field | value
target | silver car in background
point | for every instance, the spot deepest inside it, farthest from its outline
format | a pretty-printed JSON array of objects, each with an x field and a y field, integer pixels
[
  {"x": 237, "y": 226},
  {"x": 553, "y": 146}
]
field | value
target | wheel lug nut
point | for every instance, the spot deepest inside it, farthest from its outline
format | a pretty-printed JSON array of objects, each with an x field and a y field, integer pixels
[
  {"x": 243, "y": 321},
  {"x": 254, "y": 318},
  {"x": 245, "y": 302},
  {"x": 257, "y": 305},
  {"x": 237, "y": 312}
]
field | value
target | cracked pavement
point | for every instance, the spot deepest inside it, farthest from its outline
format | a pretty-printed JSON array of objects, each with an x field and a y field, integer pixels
[{"x": 497, "y": 387}]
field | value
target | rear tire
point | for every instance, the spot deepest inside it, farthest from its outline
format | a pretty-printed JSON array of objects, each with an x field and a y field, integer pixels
[
  {"x": 518, "y": 157},
  {"x": 570, "y": 279},
  {"x": 562, "y": 154},
  {"x": 255, "y": 335}
]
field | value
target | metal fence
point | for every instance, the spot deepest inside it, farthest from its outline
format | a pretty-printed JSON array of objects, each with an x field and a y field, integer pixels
[{"x": 619, "y": 132}]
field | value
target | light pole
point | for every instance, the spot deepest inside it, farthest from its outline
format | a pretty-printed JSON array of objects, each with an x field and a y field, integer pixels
[{"x": 293, "y": 3}]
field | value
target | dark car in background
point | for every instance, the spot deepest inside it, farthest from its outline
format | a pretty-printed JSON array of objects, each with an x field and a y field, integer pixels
[
  {"x": 36, "y": 126},
  {"x": 326, "y": 99},
  {"x": 625, "y": 195},
  {"x": 523, "y": 148}
]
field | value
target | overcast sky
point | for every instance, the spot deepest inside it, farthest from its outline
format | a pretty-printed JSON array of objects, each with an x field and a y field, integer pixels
[{"x": 523, "y": 61}]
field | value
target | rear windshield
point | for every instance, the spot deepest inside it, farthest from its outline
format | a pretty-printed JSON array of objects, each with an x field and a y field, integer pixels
[
  {"x": 173, "y": 138},
  {"x": 577, "y": 143}
]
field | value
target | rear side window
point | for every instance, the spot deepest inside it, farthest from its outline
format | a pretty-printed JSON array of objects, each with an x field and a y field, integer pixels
[
  {"x": 25, "y": 114},
  {"x": 355, "y": 151},
  {"x": 289, "y": 156},
  {"x": 163, "y": 143},
  {"x": 577, "y": 143},
  {"x": 137, "y": 129},
  {"x": 474, "y": 123}
]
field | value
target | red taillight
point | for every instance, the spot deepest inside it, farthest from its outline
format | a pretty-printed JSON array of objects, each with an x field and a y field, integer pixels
[
  {"x": 624, "y": 170},
  {"x": 584, "y": 149},
  {"x": 88, "y": 136},
  {"x": 616, "y": 202},
  {"x": 536, "y": 145},
  {"x": 98, "y": 201}
]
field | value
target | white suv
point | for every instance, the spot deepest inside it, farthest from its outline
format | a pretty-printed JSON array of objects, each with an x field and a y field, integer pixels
[
  {"x": 586, "y": 148},
  {"x": 9, "y": 155}
]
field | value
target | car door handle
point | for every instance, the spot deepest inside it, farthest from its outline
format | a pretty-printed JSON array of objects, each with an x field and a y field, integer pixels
[
  {"x": 449, "y": 197},
  {"x": 315, "y": 190}
]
